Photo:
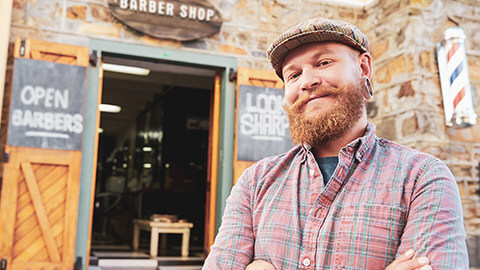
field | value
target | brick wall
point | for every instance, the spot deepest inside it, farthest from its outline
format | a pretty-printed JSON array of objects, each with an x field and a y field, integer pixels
[{"x": 407, "y": 107}]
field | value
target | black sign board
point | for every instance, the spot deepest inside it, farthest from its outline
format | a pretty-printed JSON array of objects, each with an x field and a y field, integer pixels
[
  {"x": 262, "y": 128},
  {"x": 47, "y": 105}
]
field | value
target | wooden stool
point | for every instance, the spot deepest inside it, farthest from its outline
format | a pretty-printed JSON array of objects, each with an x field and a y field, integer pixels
[{"x": 157, "y": 228}]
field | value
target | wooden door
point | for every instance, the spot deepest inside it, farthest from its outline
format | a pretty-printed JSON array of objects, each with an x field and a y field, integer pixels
[
  {"x": 253, "y": 77},
  {"x": 40, "y": 187}
]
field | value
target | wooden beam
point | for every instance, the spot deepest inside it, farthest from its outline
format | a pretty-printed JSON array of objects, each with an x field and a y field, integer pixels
[{"x": 40, "y": 211}]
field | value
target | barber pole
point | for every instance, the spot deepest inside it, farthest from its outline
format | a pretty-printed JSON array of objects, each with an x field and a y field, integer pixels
[{"x": 452, "y": 65}]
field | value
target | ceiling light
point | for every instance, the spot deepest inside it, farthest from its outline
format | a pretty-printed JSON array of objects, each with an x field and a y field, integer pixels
[
  {"x": 109, "y": 108},
  {"x": 147, "y": 165},
  {"x": 147, "y": 149},
  {"x": 100, "y": 130},
  {"x": 126, "y": 69}
]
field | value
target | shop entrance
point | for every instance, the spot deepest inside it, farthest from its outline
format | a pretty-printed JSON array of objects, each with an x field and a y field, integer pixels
[{"x": 153, "y": 152}]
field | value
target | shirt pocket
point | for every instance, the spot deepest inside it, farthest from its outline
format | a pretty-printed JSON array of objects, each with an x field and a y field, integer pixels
[{"x": 369, "y": 235}]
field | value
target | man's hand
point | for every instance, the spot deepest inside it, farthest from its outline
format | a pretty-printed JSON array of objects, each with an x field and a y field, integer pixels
[
  {"x": 260, "y": 265},
  {"x": 407, "y": 262}
]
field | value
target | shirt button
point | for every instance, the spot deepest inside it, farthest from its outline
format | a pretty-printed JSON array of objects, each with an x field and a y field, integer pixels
[
  {"x": 306, "y": 262},
  {"x": 311, "y": 172}
]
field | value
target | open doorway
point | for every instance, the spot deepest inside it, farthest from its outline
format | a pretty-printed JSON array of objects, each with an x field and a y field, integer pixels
[{"x": 153, "y": 153}]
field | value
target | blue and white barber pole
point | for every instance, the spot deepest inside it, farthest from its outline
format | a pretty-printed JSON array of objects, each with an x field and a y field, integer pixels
[{"x": 452, "y": 65}]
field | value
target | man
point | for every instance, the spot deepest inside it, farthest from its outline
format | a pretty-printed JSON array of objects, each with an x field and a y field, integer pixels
[{"x": 342, "y": 198}]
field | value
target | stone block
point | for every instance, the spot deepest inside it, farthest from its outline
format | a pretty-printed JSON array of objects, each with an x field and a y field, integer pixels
[
  {"x": 409, "y": 126},
  {"x": 473, "y": 187},
  {"x": 101, "y": 13},
  {"x": 427, "y": 61},
  {"x": 470, "y": 134},
  {"x": 461, "y": 171},
  {"x": 231, "y": 49},
  {"x": 100, "y": 29},
  {"x": 387, "y": 129},
  {"x": 379, "y": 48},
  {"x": 471, "y": 209},
  {"x": 77, "y": 12},
  {"x": 397, "y": 65},
  {"x": 473, "y": 247},
  {"x": 473, "y": 63},
  {"x": 406, "y": 90}
]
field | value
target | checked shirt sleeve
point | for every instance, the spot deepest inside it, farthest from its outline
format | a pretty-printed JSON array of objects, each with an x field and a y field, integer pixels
[
  {"x": 435, "y": 221},
  {"x": 233, "y": 247}
]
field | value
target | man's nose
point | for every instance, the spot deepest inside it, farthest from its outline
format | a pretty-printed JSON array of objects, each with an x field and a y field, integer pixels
[{"x": 310, "y": 80}]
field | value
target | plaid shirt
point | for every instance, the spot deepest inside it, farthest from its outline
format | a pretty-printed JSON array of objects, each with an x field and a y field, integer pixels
[{"x": 382, "y": 200}]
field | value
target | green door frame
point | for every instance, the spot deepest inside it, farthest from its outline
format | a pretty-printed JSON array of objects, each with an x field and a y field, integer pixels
[{"x": 227, "y": 65}]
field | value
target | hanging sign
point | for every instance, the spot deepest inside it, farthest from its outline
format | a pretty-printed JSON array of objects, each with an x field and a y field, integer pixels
[
  {"x": 262, "y": 129},
  {"x": 452, "y": 65},
  {"x": 179, "y": 20},
  {"x": 47, "y": 105}
]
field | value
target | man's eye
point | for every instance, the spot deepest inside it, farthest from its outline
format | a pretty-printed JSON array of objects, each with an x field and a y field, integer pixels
[
  {"x": 294, "y": 75},
  {"x": 323, "y": 63}
]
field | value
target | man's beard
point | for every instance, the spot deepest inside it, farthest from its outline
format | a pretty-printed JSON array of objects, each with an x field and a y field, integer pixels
[{"x": 323, "y": 127}]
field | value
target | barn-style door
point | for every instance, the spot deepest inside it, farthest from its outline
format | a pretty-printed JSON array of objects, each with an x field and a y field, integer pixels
[{"x": 40, "y": 186}]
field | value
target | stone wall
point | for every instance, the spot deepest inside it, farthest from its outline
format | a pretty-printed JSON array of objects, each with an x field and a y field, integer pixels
[{"x": 407, "y": 107}]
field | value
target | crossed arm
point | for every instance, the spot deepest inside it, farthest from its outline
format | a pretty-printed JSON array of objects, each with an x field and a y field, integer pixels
[{"x": 434, "y": 228}]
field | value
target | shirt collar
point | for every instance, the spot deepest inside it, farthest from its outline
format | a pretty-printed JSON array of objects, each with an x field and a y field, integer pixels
[{"x": 361, "y": 144}]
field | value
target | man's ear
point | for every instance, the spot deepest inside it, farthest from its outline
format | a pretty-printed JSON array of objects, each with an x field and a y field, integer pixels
[{"x": 365, "y": 63}]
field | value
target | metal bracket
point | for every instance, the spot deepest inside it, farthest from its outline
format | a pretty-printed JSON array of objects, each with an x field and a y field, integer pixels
[
  {"x": 78, "y": 263},
  {"x": 232, "y": 75},
  {"x": 22, "y": 46},
  {"x": 93, "y": 58},
  {"x": 3, "y": 265}
]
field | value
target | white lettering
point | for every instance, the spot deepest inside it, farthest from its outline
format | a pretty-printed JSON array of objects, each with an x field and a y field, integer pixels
[
  {"x": 78, "y": 123},
  {"x": 152, "y": 6},
  {"x": 61, "y": 100},
  {"x": 183, "y": 11},
  {"x": 170, "y": 9},
  {"x": 201, "y": 14},
  {"x": 17, "y": 117},
  {"x": 192, "y": 13},
  {"x": 161, "y": 8},
  {"x": 48, "y": 121},
  {"x": 123, "y": 4},
  {"x": 49, "y": 97},
  {"x": 143, "y": 5},
  {"x": 210, "y": 14},
  {"x": 39, "y": 94},
  {"x": 133, "y": 4},
  {"x": 27, "y": 95}
]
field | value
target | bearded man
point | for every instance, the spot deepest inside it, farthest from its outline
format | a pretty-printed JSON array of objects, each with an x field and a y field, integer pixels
[{"x": 341, "y": 198}]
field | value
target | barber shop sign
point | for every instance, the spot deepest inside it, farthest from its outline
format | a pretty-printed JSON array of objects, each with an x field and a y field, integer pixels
[{"x": 181, "y": 20}]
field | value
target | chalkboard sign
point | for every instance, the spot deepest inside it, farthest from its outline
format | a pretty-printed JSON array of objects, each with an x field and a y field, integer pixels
[
  {"x": 262, "y": 129},
  {"x": 47, "y": 105}
]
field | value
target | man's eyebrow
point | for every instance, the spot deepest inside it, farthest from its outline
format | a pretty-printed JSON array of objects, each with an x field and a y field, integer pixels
[{"x": 315, "y": 56}]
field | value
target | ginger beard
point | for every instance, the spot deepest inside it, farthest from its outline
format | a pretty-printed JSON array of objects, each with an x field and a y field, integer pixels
[{"x": 324, "y": 126}]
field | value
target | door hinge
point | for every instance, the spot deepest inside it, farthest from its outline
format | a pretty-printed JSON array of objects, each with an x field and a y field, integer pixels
[
  {"x": 93, "y": 58},
  {"x": 78, "y": 263},
  {"x": 7, "y": 157},
  {"x": 3, "y": 265},
  {"x": 22, "y": 46},
  {"x": 232, "y": 75}
]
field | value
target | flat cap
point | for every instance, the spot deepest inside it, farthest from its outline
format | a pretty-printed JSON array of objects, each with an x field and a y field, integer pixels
[{"x": 315, "y": 30}]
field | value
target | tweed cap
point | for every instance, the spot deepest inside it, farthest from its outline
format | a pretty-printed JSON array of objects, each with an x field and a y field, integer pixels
[{"x": 315, "y": 30}]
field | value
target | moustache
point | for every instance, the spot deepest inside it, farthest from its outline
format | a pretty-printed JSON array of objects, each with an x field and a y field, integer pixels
[{"x": 316, "y": 92}]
